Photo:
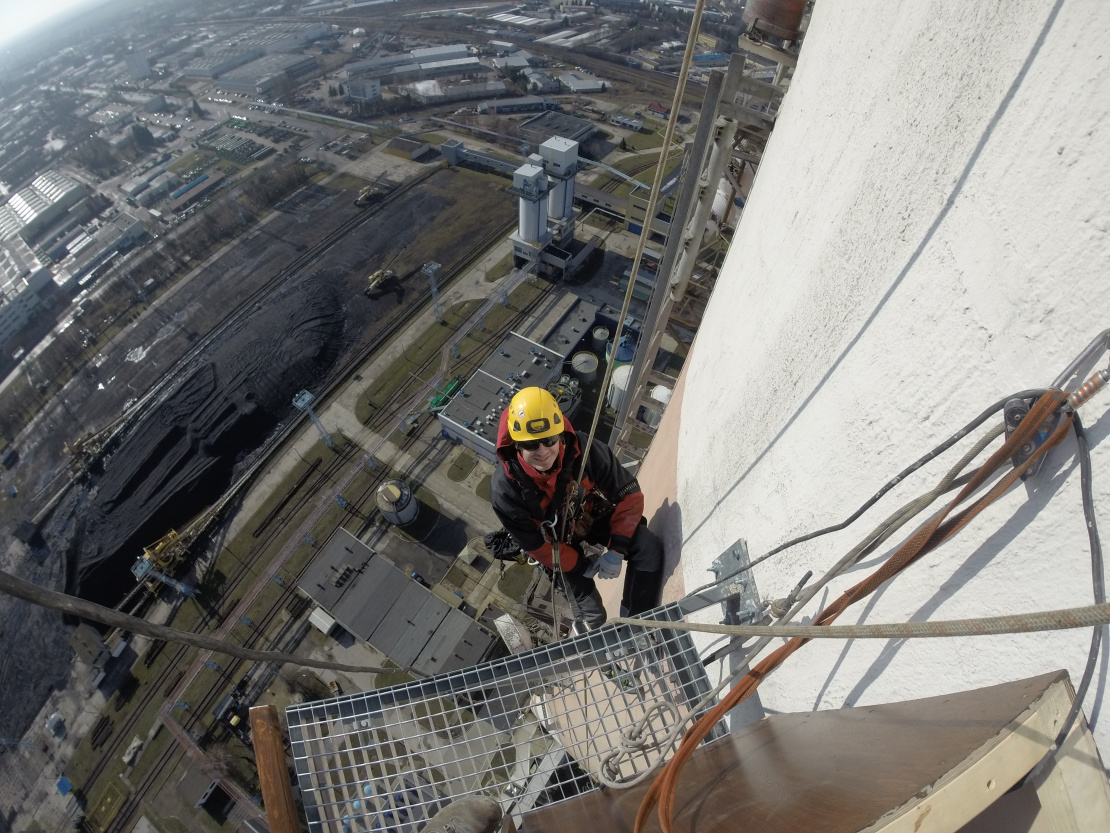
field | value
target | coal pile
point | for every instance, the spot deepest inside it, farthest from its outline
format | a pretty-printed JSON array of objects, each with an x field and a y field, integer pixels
[{"x": 181, "y": 457}]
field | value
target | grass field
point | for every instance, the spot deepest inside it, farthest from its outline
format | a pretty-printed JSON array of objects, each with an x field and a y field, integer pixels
[{"x": 644, "y": 141}]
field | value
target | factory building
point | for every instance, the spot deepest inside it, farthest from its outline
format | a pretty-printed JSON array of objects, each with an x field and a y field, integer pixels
[
  {"x": 433, "y": 92},
  {"x": 188, "y": 194},
  {"x": 544, "y": 186},
  {"x": 33, "y": 209},
  {"x": 376, "y": 66},
  {"x": 281, "y": 37},
  {"x": 456, "y": 153},
  {"x": 83, "y": 255},
  {"x": 540, "y": 82},
  {"x": 22, "y": 277},
  {"x": 373, "y": 600},
  {"x": 408, "y": 148},
  {"x": 519, "y": 104},
  {"x": 138, "y": 65},
  {"x": 510, "y": 62},
  {"x": 260, "y": 75},
  {"x": 539, "y": 129},
  {"x": 472, "y": 416},
  {"x": 216, "y": 65},
  {"x": 363, "y": 89},
  {"x": 576, "y": 84},
  {"x": 433, "y": 54},
  {"x": 158, "y": 188}
]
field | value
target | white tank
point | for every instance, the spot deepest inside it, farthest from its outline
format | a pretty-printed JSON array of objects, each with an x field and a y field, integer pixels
[
  {"x": 618, "y": 387},
  {"x": 600, "y": 339},
  {"x": 530, "y": 184},
  {"x": 532, "y": 220},
  {"x": 560, "y": 199},
  {"x": 662, "y": 395},
  {"x": 397, "y": 503},
  {"x": 584, "y": 365}
]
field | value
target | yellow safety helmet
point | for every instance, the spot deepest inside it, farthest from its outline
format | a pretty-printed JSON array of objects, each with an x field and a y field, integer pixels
[{"x": 533, "y": 415}]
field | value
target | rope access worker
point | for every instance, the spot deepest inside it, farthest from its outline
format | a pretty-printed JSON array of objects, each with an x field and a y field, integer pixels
[{"x": 540, "y": 456}]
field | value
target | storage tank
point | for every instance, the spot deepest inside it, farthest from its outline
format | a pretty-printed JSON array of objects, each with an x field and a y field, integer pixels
[
  {"x": 778, "y": 18},
  {"x": 530, "y": 185},
  {"x": 600, "y": 339},
  {"x": 662, "y": 395},
  {"x": 397, "y": 503},
  {"x": 618, "y": 387},
  {"x": 584, "y": 364},
  {"x": 626, "y": 350}
]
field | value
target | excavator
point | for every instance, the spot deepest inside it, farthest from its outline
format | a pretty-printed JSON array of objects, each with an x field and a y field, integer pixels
[
  {"x": 371, "y": 193},
  {"x": 375, "y": 281}
]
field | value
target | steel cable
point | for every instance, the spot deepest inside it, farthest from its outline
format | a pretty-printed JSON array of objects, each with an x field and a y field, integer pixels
[
  {"x": 649, "y": 214},
  {"x": 928, "y": 537},
  {"x": 1086, "y": 616},
  {"x": 883, "y": 531}
]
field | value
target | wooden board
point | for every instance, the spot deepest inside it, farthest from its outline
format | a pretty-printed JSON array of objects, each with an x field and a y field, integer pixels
[{"x": 922, "y": 765}]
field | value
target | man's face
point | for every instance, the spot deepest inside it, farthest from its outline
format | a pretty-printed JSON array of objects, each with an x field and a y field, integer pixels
[{"x": 539, "y": 456}]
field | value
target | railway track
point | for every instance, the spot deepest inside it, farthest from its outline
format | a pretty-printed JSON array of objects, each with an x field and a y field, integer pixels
[
  {"x": 325, "y": 478},
  {"x": 157, "y": 688}
]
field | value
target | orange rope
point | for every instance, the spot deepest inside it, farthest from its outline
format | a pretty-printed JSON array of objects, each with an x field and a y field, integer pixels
[{"x": 933, "y": 533}]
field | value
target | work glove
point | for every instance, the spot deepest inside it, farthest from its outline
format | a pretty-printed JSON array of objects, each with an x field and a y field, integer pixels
[{"x": 609, "y": 565}]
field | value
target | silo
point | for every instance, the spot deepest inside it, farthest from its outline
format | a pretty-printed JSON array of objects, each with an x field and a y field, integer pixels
[
  {"x": 530, "y": 185},
  {"x": 619, "y": 386},
  {"x": 397, "y": 503},
  {"x": 626, "y": 350},
  {"x": 600, "y": 339},
  {"x": 662, "y": 395},
  {"x": 560, "y": 161},
  {"x": 584, "y": 364}
]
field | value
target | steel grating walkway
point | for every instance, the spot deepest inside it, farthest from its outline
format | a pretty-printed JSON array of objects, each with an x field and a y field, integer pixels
[{"x": 527, "y": 730}]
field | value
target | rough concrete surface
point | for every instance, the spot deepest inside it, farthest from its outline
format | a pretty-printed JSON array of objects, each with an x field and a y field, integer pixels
[{"x": 927, "y": 235}]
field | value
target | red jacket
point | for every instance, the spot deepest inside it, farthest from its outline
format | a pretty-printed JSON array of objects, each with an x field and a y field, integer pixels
[{"x": 523, "y": 498}]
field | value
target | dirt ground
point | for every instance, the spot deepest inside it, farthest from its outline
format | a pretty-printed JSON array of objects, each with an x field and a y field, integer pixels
[
  {"x": 179, "y": 457},
  {"x": 183, "y": 454}
]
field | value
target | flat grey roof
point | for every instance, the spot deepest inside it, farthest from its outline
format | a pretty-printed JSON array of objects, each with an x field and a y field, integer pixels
[
  {"x": 374, "y": 600},
  {"x": 575, "y": 324},
  {"x": 552, "y": 123},
  {"x": 488, "y": 391}
]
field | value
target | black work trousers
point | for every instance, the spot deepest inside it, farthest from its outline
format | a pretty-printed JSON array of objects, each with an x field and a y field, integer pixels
[{"x": 643, "y": 580}]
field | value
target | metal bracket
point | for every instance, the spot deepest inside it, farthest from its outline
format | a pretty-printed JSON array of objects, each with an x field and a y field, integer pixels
[
  {"x": 735, "y": 589},
  {"x": 1014, "y": 411}
]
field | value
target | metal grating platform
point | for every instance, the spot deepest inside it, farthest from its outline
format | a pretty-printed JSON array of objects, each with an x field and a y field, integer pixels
[{"x": 527, "y": 730}]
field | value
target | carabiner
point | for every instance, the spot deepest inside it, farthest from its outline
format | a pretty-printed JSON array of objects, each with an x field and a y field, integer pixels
[{"x": 547, "y": 528}]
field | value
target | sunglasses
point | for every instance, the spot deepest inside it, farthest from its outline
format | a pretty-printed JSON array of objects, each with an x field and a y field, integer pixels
[{"x": 532, "y": 445}]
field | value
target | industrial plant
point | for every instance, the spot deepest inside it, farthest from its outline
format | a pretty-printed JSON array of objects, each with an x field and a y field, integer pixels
[{"x": 299, "y": 304}]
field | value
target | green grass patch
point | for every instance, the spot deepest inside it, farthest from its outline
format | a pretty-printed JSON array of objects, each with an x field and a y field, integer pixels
[
  {"x": 397, "y": 677},
  {"x": 482, "y": 489},
  {"x": 199, "y": 159},
  {"x": 462, "y": 465},
  {"x": 425, "y": 347},
  {"x": 516, "y": 580},
  {"x": 501, "y": 268},
  {"x": 644, "y": 141}
]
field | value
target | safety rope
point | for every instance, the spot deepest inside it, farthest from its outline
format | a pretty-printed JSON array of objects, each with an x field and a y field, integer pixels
[
  {"x": 953, "y": 478},
  {"x": 1087, "y": 616},
  {"x": 938, "y": 529},
  {"x": 72, "y": 605},
  {"x": 649, "y": 216}
]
